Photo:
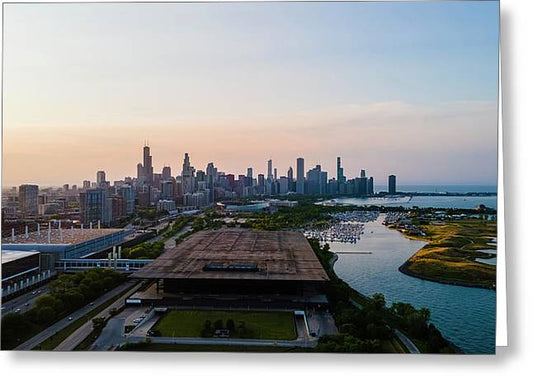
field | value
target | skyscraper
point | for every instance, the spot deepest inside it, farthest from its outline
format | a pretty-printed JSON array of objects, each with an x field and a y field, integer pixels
[
  {"x": 28, "y": 200},
  {"x": 250, "y": 172},
  {"x": 269, "y": 169},
  {"x": 100, "y": 179},
  {"x": 187, "y": 175},
  {"x": 166, "y": 174},
  {"x": 313, "y": 180},
  {"x": 370, "y": 186},
  {"x": 290, "y": 178},
  {"x": 145, "y": 170},
  {"x": 147, "y": 164},
  {"x": 340, "y": 172},
  {"x": 392, "y": 184},
  {"x": 300, "y": 180}
]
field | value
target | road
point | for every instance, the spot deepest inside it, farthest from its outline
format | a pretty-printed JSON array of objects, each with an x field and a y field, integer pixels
[
  {"x": 83, "y": 331},
  {"x": 171, "y": 242},
  {"x": 111, "y": 335},
  {"x": 407, "y": 342},
  {"x": 23, "y": 302},
  {"x": 225, "y": 341},
  {"x": 321, "y": 323},
  {"x": 60, "y": 325}
]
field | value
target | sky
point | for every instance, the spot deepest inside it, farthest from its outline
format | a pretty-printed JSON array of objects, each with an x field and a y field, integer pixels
[{"x": 406, "y": 88}]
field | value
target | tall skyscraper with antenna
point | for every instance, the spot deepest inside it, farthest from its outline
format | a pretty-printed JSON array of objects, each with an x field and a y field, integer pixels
[{"x": 145, "y": 171}]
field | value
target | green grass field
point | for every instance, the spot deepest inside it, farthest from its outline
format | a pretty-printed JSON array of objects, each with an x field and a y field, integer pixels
[
  {"x": 451, "y": 250},
  {"x": 259, "y": 325}
]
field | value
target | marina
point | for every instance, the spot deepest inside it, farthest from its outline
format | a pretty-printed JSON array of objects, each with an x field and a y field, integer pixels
[{"x": 347, "y": 227}]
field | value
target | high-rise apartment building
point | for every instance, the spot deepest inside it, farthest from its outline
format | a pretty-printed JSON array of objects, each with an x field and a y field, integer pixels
[
  {"x": 94, "y": 207},
  {"x": 28, "y": 200},
  {"x": 392, "y": 184},
  {"x": 340, "y": 172}
]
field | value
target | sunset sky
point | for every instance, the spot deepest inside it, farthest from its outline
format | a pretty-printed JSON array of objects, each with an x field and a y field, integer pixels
[{"x": 403, "y": 88}]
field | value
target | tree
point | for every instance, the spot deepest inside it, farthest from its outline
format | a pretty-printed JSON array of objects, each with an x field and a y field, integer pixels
[
  {"x": 378, "y": 301},
  {"x": 98, "y": 323},
  {"x": 73, "y": 299},
  {"x": 46, "y": 314},
  {"x": 230, "y": 325},
  {"x": 48, "y": 301}
]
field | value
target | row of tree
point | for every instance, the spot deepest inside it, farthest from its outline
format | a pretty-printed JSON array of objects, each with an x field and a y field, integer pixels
[
  {"x": 68, "y": 293},
  {"x": 366, "y": 326},
  {"x": 145, "y": 250}
]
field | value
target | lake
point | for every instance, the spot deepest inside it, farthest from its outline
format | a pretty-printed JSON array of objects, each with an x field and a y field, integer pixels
[
  {"x": 447, "y": 202},
  {"x": 466, "y": 316}
]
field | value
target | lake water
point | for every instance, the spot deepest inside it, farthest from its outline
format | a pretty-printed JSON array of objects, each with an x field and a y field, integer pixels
[
  {"x": 441, "y": 188},
  {"x": 447, "y": 202},
  {"x": 466, "y": 316}
]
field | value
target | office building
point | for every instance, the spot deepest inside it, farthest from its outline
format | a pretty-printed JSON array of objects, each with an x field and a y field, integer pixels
[{"x": 300, "y": 180}]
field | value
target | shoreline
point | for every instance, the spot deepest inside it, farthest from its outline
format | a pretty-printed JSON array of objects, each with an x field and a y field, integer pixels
[
  {"x": 404, "y": 268},
  {"x": 333, "y": 260}
]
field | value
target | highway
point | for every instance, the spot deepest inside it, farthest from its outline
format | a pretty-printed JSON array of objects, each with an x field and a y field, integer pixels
[
  {"x": 23, "y": 302},
  {"x": 60, "y": 325},
  {"x": 83, "y": 331}
]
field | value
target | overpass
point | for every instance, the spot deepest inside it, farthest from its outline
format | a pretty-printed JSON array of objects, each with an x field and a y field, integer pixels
[{"x": 122, "y": 265}]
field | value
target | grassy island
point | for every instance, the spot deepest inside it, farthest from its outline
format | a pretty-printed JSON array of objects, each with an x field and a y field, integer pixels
[{"x": 449, "y": 257}]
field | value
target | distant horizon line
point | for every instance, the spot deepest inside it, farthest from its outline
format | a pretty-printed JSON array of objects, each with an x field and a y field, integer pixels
[{"x": 52, "y": 186}]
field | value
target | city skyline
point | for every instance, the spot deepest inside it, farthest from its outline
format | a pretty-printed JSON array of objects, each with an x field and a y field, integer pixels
[
  {"x": 176, "y": 168},
  {"x": 406, "y": 88}
]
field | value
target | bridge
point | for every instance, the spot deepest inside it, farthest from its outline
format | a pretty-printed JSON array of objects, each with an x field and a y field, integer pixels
[
  {"x": 354, "y": 253},
  {"x": 122, "y": 265}
]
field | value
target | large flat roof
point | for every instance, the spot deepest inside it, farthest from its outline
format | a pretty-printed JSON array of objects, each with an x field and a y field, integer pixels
[
  {"x": 238, "y": 254},
  {"x": 64, "y": 237},
  {"x": 8, "y": 256}
]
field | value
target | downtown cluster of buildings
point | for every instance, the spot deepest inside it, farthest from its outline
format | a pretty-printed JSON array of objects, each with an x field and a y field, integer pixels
[{"x": 106, "y": 202}]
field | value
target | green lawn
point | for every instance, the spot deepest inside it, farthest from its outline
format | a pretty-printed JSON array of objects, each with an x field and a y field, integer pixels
[
  {"x": 451, "y": 250},
  {"x": 259, "y": 325}
]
